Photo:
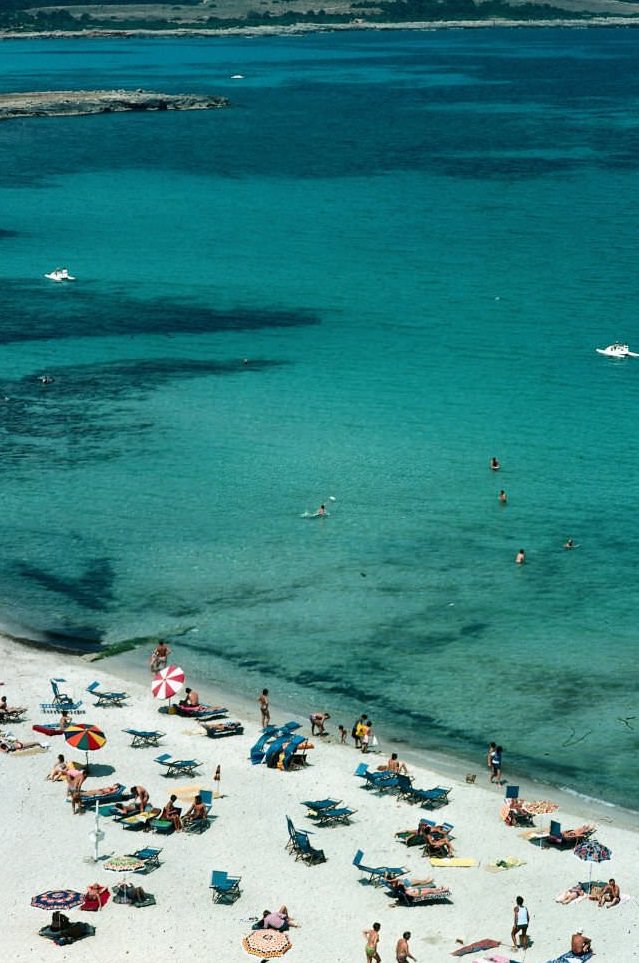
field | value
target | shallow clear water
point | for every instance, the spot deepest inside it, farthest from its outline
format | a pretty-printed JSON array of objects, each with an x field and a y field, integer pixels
[{"x": 417, "y": 240}]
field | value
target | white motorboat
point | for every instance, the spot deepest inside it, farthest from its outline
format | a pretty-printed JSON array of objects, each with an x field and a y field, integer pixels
[
  {"x": 60, "y": 274},
  {"x": 617, "y": 350}
]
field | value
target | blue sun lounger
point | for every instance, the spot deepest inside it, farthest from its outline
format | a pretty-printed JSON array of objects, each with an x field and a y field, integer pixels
[
  {"x": 141, "y": 738},
  {"x": 106, "y": 698},
  {"x": 224, "y": 888},
  {"x": 431, "y": 798},
  {"x": 60, "y": 700},
  {"x": 177, "y": 767},
  {"x": 377, "y": 874}
]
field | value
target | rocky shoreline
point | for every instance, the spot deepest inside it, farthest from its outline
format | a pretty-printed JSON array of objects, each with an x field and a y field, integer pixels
[{"x": 61, "y": 103}]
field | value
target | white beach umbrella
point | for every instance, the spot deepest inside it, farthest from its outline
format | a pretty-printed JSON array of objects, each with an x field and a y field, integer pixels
[{"x": 167, "y": 682}]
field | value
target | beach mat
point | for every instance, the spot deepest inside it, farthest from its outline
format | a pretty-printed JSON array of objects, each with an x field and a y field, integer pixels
[
  {"x": 451, "y": 861},
  {"x": 501, "y": 865},
  {"x": 498, "y": 958},
  {"x": 475, "y": 947},
  {"x": 31, "y": 751}
]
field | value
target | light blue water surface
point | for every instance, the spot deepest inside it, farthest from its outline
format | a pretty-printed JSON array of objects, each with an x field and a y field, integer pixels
[{"x": 416, "y": 240}]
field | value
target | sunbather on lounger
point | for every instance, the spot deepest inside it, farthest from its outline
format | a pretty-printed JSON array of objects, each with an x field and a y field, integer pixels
[
  {"x": 12, "y": 745},
  {"x": 197, "y": 811},
  {"x": 139, "y": 804},
  {"x": 438, "y": 843},
  {"x": 396, "y": 765}
]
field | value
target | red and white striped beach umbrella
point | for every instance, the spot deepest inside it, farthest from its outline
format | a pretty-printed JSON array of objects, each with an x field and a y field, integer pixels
[{"x": 167, "y": 682}]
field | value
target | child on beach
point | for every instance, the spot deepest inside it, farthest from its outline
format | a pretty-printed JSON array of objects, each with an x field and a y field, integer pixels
[
  {"x": 342, "y": 735},
  {"x": 495, "y": 764}
]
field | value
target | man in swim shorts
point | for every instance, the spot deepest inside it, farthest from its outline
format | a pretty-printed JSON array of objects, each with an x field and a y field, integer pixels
[
  {"x": 372, "y": 940},
  {"x": 402, "y": 950},
  {"x": 520, "y": 924}
]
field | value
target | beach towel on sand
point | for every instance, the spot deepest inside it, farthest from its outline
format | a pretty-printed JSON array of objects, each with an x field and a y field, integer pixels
[
  {"x": 498, "y": 958},
  {"x": 451, "y": 861},
  {"x": 474, "y": 947},
  {"x": 571, "y": 958}
]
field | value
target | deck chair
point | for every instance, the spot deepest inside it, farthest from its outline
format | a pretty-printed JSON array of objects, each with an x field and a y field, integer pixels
[
  {"x": 382, "y": 781},
  {"x": 143, "y": 739},
  {"x": 61, "y": 700},
  {"x": 567, "y": 839},
  {"x": 404, "y": 786},
  {"x": 330, "y": 817},
  {"x": 106, "y": 698},
  {"x": 377, "y": 874},
  {"x": 14, "y": 714},
  {"x": 137, "y": 821},
  {"x": 317, "y": 806},
  {"x": 431, "y": 798},
  {"x": 306, "y": 852},
  {"x": 512, "y": 792},
  {"x": 258, "y": 751},
  {"x": 202, "y": 823},
  {"x": 177, "y": 767},
  {"x": 290, "y": 751},
  {"x": 149, "y": 856},
  {"x": 361, "y": 770},
  {"x": 224, "y": 888}
]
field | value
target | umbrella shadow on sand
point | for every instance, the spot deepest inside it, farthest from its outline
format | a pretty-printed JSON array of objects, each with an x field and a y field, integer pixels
[{"x": 100, "y": 769}]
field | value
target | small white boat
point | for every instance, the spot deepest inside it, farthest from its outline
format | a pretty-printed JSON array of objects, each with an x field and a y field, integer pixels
[
  {"x": 60, "y": 274},
  {"x": 237, "y": 77},
  {"x": 617, "y": 350}
]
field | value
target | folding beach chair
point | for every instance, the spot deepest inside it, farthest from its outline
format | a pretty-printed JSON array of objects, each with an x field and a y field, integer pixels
[
  {"x": 149, "y": 856},
  {"x": 224, "y": 888},
  {"x": 61, "y": 700},
  {"x": 512, "y": 792},
  {"x": 177, "y": 767},
  {"x": 377, "y": 874},
  {"x": 431, "y": 798},
  {"x": 143, "y": 739},
  {"x": 106, "y": 698}
]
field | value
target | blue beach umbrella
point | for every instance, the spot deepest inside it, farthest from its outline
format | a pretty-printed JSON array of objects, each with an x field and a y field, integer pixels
[{"x": 592, "y": 851}]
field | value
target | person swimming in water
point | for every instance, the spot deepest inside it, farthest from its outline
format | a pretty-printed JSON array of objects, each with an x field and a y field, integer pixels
[
  {"x": 569, "y": 543},
  {"x": 321, "y": 510},
  {"x": 494, "y": 464},
  {"x": 520, "y": 557},
  {"x": 503, "y": 497}
]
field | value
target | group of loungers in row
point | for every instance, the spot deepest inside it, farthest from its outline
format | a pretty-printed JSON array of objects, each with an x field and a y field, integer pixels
[{"x": 389, "y": 780}]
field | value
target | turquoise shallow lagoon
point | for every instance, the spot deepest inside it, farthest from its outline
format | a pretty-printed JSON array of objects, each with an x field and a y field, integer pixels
[{"x": 416, "y": 240}]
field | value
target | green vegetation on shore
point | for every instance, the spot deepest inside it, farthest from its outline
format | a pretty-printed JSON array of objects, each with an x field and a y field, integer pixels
[{"x": 23, "y": 16}]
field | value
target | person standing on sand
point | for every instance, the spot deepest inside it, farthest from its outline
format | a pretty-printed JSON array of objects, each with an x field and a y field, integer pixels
[
  {"x": 521, "y": 918},
  {"x": 159, "y": 656},
  {"x": 489, "y": 755},
  {"x": 495, "y": 764},
  {"x": 264, "y": 708},
  {"x": 372, "y": 942},
  {"x": 402, "y": 950}
]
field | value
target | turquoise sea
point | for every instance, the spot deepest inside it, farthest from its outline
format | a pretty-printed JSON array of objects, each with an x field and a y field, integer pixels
[{"x": 417, "y": 240}]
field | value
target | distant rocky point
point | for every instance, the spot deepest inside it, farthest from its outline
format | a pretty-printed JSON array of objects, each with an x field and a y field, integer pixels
[{"x": 60, "y": 103}]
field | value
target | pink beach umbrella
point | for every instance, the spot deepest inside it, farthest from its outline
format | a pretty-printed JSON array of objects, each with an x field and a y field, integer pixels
[{"x": 167, "y": 682}]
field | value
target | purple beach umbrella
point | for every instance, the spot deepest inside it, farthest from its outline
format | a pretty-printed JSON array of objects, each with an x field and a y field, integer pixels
[
  {"x": 57, "y": 899},
  {"x": 592, "y": 851}
]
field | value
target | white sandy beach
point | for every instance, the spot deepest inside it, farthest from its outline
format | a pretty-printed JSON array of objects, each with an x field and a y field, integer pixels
[{"x": 45, "y": 847}]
